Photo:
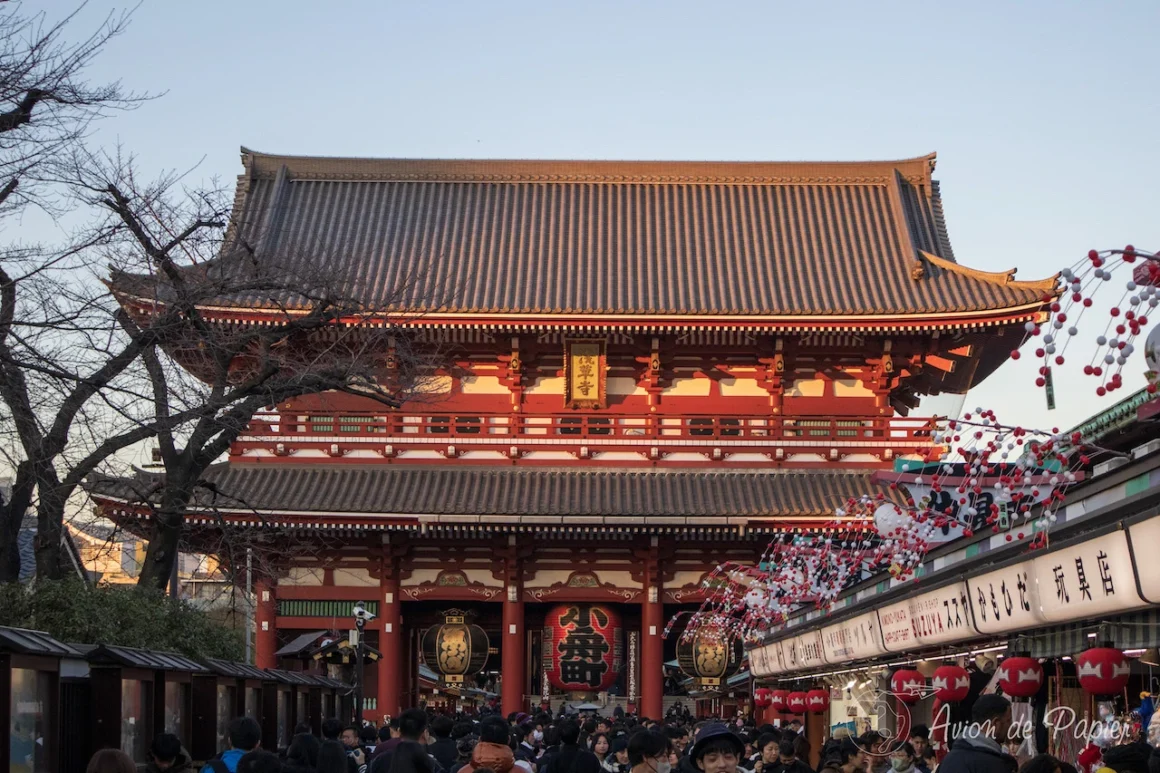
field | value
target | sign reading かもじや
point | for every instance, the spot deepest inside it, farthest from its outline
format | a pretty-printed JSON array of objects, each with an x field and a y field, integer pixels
[
  {"x": 1092, "y": 578},
  {"x": 937, "y": 617},
  {"x": 1006, "y": 599}
]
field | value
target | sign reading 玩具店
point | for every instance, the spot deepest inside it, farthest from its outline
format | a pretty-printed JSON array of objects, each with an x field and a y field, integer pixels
[
  {"x": 1094, "y": 577},
  {"x": 1145, "y": 537},
  {"x": 1006, "y": 599},
  {"x": 858, "y": 637},
  {"x": 937, "y": 617}
]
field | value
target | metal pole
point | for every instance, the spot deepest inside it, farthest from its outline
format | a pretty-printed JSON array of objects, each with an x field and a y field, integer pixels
[
  {"x": 359, "y": 623},
  {"x": 249, "y": 605}
]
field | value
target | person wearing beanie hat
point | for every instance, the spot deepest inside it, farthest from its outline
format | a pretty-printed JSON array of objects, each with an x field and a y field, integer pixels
[
  {"x": 1128, "y": 758},
  {"x": 616, "y": 761}
]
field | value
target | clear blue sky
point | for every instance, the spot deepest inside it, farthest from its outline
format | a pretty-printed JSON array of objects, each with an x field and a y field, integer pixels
[{"x": 1044, "y": 114}]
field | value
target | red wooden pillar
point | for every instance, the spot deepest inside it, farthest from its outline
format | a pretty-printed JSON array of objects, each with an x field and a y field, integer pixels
[
  {"x": 514, "y": 661},
  {"x": 265, "y": 616},
  {"x": 391, "y": 645},
  {"x": 652, "y": 651}
]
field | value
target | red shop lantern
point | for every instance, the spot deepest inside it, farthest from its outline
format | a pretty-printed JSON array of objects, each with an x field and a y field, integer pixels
[
  {"x": 951, "y": 683},
  {"x": 817, "y": 701},
  {"x": 908, "y": 685},
  {"x": 779, "y": 699},
  {"x": 1020, "y": 676},
  {"x": 762, "y": 697},
  {"x": 1103, "y": 670},
  {"x": 796, "y": 702},
  {"x": 582, "y": 646}
]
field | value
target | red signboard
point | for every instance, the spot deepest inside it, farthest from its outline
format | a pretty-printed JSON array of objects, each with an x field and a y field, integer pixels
[{"x": 582, "y": 647}]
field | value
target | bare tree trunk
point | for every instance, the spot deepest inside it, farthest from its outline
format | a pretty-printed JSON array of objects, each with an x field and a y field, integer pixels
[
  {"x": 11, "y": 516},
  {"x": 49, "y": 524},
  {"x": 165, "y": 536}
]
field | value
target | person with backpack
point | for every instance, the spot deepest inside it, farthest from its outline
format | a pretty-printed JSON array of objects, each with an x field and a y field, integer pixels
[{"x": 245, "y": 735}]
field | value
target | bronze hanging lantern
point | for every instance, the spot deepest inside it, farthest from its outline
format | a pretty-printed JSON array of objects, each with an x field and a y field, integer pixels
[{"x": 455, "y": 648}]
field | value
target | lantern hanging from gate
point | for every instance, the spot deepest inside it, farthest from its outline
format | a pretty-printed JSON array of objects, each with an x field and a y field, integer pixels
[
  {"x": 908, "y": 685},
  {"x": 709, "y": 656},
  {"x": 455, "y": 648},
  {"x": 817, "y": 701},
  {"x": 582, "y": 647},
  {"x": 762, "y": 697},
  {"x": 951, "y": 683},
  {"x": 1103, "y": 670},
  {"x": 796, "y": 702},
  {"x": 778, "y": 701},
  {"x": 1020, "y": 676}
]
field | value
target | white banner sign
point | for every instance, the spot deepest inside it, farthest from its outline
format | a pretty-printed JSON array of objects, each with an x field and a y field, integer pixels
[
  {"x": 1145, "y": 537},
  {"x": 766, "y": 660},
  {"x": 1006, "y": 599},
  {"x": 938, "y": 617},
  {"x": 858, "y": 637},
  {"x": 1092, "y": 578},
  {"x": 804, "y": 651}
]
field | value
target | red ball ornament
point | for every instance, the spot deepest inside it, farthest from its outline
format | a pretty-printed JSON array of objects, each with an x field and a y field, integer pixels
[
  {"x": 1019, "y": 676},
  {"x": 817, "y": 701},
  {"x": 951, "y": 683},
  {"x": 796, "y": 702},
  {"x": 1103, "y": 670},
  {"x": 762, "y": 697},
  {"x": 908, "y": 685},
  {"x": 778, "y": 700}
]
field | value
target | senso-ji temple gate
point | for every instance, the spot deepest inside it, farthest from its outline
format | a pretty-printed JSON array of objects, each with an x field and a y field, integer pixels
[{"x": 654, "y": 366}]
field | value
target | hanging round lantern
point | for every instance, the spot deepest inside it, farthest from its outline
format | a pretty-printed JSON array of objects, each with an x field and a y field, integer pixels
[
  {"x": 582, "y": 647},
  {"x": 709, "y": 657},
  {"x": 951, "y": 683},
  {"x": 1103, "y": 670},
  {"x": 1020, "y": 676},
  {"x": 817, "y": 701},
  {"x": 455, "y": 649},
  {"x": 762, "y": 697},
  {"x": 779, "y": 700},
  {"x": 796, "y": 702},
  {"x": 907, "y": 685}
]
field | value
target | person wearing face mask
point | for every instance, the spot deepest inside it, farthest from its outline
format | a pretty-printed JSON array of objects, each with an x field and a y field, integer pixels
[
  {"x": 903, "y": 758},
  {"x": 648, "y": 752},
  {"x": 787, "y": 759}
]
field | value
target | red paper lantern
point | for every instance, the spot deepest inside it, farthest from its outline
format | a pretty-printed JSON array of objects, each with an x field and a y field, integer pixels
[
  {"x": 795, "y": 703},
  {"x": 1020, "y": 677},
  {"x": 951, "y": 683},
  {"x": 779, "y": 699},
  {"x": 762, "y": 697},
  {"x": 817, "y": 701},
  {"x": 908, "y": 685},
  {"x": 1103, "y": 670},
  {"x": 582, "y": 646}
]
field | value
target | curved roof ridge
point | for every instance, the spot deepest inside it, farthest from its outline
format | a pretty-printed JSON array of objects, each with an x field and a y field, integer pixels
[{"x": 1005, "y": 278}]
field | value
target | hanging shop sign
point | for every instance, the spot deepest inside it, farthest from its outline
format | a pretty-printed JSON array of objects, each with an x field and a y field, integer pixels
[
  {"x": 1006, "y": 599},
  {"x": 853, "y": 639},
  {"x": 582, "y": 647},
  {"x": 1145, "y": 537},
  {"x": 1092, "y": 578},
  {"x": 767, "y": 660},
  {"x": 937, "y": 617},
  {"x": 804, "y": 651}
]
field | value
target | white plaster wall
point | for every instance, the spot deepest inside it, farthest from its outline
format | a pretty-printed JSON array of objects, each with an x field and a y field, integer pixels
[
  {"x": 688, "y": 387},
  {"x": 302, "y": 576},
  {"x": 741, "y": 387},
  {"x": 546, "y": 385},
  {"x": 483, "y": 385},
  {"x": 354, "y": 577}
]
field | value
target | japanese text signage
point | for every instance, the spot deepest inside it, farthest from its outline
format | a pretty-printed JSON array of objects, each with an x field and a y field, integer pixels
[
  {"x": 858, "y": 637},
  {"x": 804, "y": 651},
  {"x": 582, "y": 647},
  {"x": 941, "y": 616},
  {"x": 1145, "y": 537},
  {"x": 1006, "y": 599},
  {"x": 766, "y": 660},
  {"x": 1091, "y": 578}
]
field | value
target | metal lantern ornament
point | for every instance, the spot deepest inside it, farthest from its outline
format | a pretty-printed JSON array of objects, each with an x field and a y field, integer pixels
[
  {"x": 1103, "y": 670},
  {"x": 779, "y": 701},
  {"x": 951, "y": 683},
  {"x": 817, "y": 701},
  {"x": 908, "y": 685},
  {"x": 455, "y": 648},
  {"x": 582, "y": 647},
  {"x": 710, "y": 657},
  {"x": 762, "y": 697},
  {"x": 796, "y": 702},
  {"x": 1020, "y": 676}
]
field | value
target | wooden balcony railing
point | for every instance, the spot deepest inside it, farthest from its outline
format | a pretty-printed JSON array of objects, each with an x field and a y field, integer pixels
[{"x": 584, "y": 435}]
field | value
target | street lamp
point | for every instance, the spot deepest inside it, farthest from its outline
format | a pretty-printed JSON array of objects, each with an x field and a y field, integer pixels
[{"x": 361, "y": 617}]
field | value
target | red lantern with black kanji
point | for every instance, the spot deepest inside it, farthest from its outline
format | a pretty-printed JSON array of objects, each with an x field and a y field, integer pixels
[
  {"x": 761, "y": 697},
  {"x": 779, "y": 700},
  {"x": 817, "y": 701},
  {"x": 795, "y": 702},
  {"x": 907, "y": 685},
  {"x": 1103, "y": 670},
  {"x": 582, "y": 647},
  {"x": 951, "y": 683},
  {"x": 1020, "y": 676}
]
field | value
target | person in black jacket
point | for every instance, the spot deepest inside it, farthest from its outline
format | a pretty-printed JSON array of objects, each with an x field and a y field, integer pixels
[
  {"x": 979, "y": 749},
  {"x": 571, "y": 758},
  {"x": 443, "y": 748},
  {"x": 787, "y": 759}
]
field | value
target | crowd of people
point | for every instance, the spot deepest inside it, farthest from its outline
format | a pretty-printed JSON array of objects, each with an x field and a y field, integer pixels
[{"x": 418, "y": 742}]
